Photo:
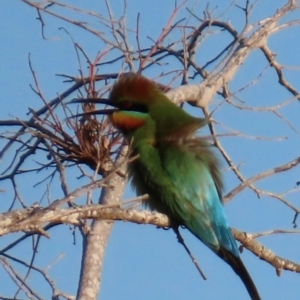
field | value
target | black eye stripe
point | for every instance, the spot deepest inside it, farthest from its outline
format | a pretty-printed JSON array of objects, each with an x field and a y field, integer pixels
[{"x": 130, "y": 106}]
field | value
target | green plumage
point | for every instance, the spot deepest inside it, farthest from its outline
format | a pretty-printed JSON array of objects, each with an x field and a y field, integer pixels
[{"x": 179, "y": 172}]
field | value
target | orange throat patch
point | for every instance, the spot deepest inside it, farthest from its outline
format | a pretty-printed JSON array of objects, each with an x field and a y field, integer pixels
[{"x": 126, "y": 121}]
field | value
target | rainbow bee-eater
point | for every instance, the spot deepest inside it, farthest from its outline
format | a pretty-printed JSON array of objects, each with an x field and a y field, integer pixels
[{"x": 179, "y": 172}]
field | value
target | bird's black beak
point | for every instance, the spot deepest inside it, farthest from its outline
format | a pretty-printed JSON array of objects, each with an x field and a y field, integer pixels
[{"x": 108, "y": 111}]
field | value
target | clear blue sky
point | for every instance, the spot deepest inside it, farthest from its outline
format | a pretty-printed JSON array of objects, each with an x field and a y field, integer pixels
[{"x": 143, "y": 262}]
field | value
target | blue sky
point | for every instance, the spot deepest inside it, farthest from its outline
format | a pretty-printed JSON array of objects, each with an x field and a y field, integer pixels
[{"x": 143, "y": 262}]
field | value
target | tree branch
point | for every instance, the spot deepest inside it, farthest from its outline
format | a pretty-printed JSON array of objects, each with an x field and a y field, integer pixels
[{"x": 33, "y": 219}]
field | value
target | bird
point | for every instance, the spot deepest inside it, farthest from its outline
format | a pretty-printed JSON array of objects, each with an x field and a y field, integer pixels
[{"x": 177, "y": 169}]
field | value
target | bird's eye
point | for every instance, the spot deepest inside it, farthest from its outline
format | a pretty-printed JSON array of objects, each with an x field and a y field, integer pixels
[
  {"x": 126, "y": 104},
  {"x": 132, "y": 106}
]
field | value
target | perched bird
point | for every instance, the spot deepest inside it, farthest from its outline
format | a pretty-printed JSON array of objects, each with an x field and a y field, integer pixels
[{"x": 178, "y": 171}]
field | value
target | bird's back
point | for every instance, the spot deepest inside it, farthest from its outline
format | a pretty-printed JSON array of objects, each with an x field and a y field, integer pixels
[{"x": 182, "y": 180}]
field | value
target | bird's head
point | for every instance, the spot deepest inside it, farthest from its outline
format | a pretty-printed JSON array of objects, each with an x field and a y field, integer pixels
[
  {"x": 134, "y": 89},
  {"x": 133, "y": 96},
  {"x": 140, "y": 104}
]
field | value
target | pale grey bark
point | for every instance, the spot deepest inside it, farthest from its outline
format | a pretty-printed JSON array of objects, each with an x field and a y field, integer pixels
[{"x": 96, "y": 239}]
